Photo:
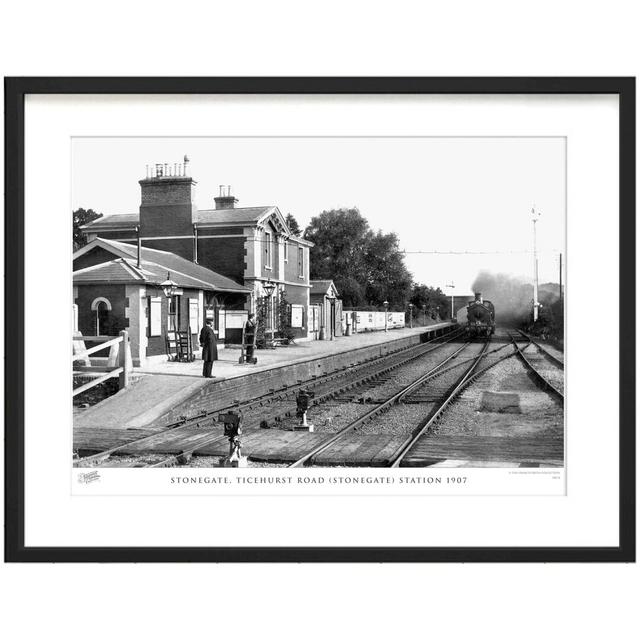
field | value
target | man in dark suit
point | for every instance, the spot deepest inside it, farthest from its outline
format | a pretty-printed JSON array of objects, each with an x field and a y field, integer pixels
[{"x": 209, "y": 348}]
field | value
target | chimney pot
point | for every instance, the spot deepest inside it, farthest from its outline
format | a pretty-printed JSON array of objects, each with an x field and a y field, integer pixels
[{"x": 225, "y": 201}]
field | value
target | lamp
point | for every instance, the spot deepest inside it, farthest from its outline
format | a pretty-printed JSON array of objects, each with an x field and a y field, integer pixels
[
  {"x": 169, "y": 287},
  {"x": 269, "y": 287},
  {"x": 386, "y": 316},
  {"x": 411, "y": 315}
]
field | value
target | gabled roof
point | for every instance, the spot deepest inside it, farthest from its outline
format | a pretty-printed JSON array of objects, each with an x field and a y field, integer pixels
[
  {"x": 204, "y": 217},
  {"x": 323, "y": 288},
  {"x": 154, "y": 265},
  {"x": 118, "y": 270},
  {"x": 236, "y": 216},
  {"x": 119, "y": 221}
]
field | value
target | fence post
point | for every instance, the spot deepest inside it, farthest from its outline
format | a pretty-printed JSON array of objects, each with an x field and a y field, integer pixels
[{"x": 123, "y": 361}]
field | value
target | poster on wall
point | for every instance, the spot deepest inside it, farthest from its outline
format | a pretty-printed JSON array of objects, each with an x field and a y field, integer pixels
[
  {"x": 155, "y": 316},
  {"x": 236, "y": 319},
  {"x": 297, "y": 316},
  {"x": 194, "y": 315}
]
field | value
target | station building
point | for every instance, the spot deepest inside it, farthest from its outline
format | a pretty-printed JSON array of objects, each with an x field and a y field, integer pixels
[
  {"x": 325, "y": 313},
  {"x": 115, "y": 288},
  {"x": 230, "y": 258}
]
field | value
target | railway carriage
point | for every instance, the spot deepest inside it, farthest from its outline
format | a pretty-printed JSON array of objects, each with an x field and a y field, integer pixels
[{"x": 481, "y": 317}]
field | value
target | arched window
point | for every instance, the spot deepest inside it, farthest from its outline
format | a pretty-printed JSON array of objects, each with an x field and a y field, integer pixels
[{"x": 101, "y": 307}]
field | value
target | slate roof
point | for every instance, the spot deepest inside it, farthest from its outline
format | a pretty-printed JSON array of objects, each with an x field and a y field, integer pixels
[
  {"x": 118, "y": 270},
  {"x": 154, "y": 265},
  {"x": 122, "y": 220},
  {"x": 240, "y": 215},
  {"x": 321, "y": 287}
]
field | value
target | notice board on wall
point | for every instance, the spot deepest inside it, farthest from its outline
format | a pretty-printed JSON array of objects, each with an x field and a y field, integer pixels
[
  {"x": 236, "y": 319},
  {"x": 194, "y": 315},
  {"x": 297, "y": 316},
  {"x": 155, "y": 316}
]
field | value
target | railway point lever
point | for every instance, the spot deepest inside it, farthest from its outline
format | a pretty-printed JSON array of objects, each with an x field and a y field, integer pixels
[
  {"x": 232, "y": 422},
  {"x": 303, "y": 402}
]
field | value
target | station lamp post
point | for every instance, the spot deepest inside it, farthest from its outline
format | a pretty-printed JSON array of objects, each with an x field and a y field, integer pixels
[
  {"x": 169, "y": 288},
  {"x": 386, "y": 316},
  {"x": 411, "y": 315},
  {"x": 424, "y": 312},
  {"x": 269, "y": 287}
]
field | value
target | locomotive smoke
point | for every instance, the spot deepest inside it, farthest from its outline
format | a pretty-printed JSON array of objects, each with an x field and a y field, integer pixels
[{"x": 511, "y": 296}]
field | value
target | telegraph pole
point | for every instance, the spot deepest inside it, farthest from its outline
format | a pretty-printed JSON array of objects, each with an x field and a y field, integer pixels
[
  {"x": 560, "y": 279},
  {"x": 534, "y": 218},
  {"x": 452, "y": 287}
]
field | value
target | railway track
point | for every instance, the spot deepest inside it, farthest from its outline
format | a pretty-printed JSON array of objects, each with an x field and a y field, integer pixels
[
  {"x": 419, "y": 404},
  {"x": 544, "y": 351},
  {"x": 270, "y": 408},
  {"x": 541, "y": 379},
  {"x": 446, "y": 374}
]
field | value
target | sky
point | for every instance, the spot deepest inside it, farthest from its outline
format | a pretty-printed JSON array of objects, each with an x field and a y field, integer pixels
[{"x": 458, "y": 205}]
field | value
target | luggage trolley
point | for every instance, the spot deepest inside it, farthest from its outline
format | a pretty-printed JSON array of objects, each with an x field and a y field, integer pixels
[{"x": 248, "y": 346}]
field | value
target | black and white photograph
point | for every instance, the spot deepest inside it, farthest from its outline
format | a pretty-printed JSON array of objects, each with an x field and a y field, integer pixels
[
  {"x": 349, "y": 315},
  {"x": 318, "y": 302}
]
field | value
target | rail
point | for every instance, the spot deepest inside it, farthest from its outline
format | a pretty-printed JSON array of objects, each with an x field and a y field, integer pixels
[
  {"x": 542, "y": 381},
  {"x": 397, "y": 397},
  {"x": 387, "y": 363},
  {"x": 464, "y": 380},
  {"x": 559, "y": 363}
]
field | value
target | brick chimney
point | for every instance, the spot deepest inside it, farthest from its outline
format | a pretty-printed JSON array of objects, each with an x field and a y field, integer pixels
[
  {"x": 167, "y": 204},
  {"x": 225, "y": 200}
]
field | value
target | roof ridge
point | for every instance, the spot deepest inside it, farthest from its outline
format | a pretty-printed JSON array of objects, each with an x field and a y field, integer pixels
[{"x": 126, "y": 244}]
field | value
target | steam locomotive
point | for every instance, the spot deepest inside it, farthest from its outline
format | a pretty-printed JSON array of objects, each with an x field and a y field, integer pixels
[{"x": 481, "y": 317}]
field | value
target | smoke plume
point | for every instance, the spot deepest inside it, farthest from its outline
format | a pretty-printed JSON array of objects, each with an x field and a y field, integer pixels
[{"x": 511, "y": 297}]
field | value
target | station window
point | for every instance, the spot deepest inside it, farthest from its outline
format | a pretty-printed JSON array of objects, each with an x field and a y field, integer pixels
[
  {"x": 267, "y": 250},
  {"x": 300, "y": 262}
]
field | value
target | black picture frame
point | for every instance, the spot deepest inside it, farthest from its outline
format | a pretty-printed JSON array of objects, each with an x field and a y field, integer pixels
[{"x": 15, "y": 91}]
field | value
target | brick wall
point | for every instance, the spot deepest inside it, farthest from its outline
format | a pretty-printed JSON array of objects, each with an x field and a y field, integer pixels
[
  {"x": 291, "y": 266},
  {"x": 167, "y": 220},
  {"x": 225, "y": 256},
  {"x": 167, "y": 206},
  {"x": 299, "y": 295},
  {"x": 182, "y": 247},
  {"x": 116, "y": 320},
  {"x": 93, "y": 257}
]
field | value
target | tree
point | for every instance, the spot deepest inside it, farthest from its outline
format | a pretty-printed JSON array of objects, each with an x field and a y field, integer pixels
[
  {"x": 340, "y": 237},
  {"x": 284, "y": 329},
  {"x": 429, "y": 300},
  {"x": 293, "y": 225},
  {"x": 367, "y": 268},
  {"x": 387, "y": 276},
  {"x": 82, "y": 217}
]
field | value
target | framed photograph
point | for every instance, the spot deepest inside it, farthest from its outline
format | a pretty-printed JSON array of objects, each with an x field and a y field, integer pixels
[{"x": 320, "y": 319}]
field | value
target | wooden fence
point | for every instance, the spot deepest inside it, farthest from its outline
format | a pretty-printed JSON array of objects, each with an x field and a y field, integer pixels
[{"x": 124, "y": 360}]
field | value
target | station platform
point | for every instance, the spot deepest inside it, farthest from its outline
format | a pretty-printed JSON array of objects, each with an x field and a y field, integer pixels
[{"x": 164, "y": 390}]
